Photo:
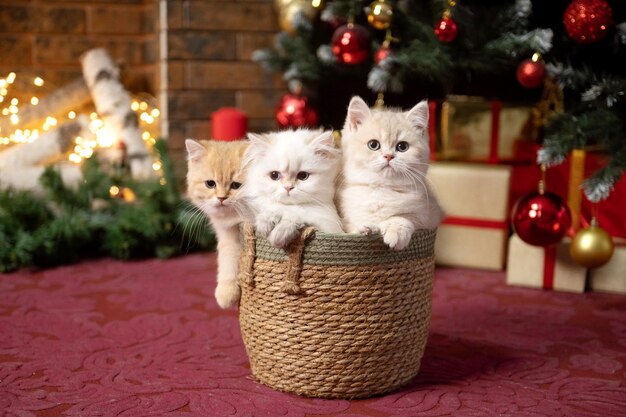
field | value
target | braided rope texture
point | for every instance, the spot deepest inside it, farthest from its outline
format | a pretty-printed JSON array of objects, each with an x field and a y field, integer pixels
[{"x": 356, "y": 324}]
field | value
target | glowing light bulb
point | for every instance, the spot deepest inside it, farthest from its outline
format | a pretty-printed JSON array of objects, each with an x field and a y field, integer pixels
[
  {"x": 71, "y": 115},
  {"x": 156, "y": 166},
  {"x": 34, "y": 101},
  {"x": 3, "y": 91},
  {"x": 155, "y": 113},
  {"x": 15, "y": 119},
  {"x": 11, "y": 77},
  {"x": 38, "y": 81},
  {"x": 134, "y": 106},
  {"x": 14, "y": 101}
]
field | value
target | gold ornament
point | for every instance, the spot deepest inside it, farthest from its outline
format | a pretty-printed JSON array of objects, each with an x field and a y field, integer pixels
[
  {"x": 379, "y": 14},
  {"x": 591, "y": 247},
  {"x": 287, "y": 10}
]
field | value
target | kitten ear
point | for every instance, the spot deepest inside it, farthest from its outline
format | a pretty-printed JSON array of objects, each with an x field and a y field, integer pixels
[
  {"x": 418, "y": 115},
  {"x": 258, "y": 145},
  {"x": 358, "y": 112},
  {"x": 324, "y": 144},
  {"x": 195, "y": 150}
]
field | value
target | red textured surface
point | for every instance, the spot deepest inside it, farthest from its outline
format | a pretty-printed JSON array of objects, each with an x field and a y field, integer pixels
[{"x": 107, "y": 338}]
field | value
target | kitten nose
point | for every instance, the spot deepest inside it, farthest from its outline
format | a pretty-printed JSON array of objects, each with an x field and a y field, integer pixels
[
  {"x": 388, "y": 157},
  {"x": 288, "y": 188},
  {"x": 221, "y": 199}
]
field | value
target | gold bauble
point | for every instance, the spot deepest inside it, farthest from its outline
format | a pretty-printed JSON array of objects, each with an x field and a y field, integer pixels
[
  {"x": 379, "y": 14},
  {"x": 287, "y": 10},
  {"x": 591, "y": 247}
]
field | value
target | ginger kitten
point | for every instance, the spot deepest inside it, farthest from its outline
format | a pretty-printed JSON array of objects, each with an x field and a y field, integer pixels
[
  {"x": 385, "y": 160},
  {"x": 214, "y": 177}
]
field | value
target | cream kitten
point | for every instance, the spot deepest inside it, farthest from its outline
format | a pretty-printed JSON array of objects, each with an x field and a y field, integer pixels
[
  {"x": 385, "y": 160},
  {"x": 291, "y": 183},
  {"x": 214, "y": 177}
]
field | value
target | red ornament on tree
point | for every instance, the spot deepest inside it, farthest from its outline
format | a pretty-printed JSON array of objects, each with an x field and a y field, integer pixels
[
  {"x": 531, "y": 74},
  {"x": 350, "y": 44},
  {"x": 382, "y": 53},
  {"x": 446, "y": 30},
  {"x": 541, "y": 218},
  {"x": 296, "y": 111},
  {"x": 588, "y": 21}
]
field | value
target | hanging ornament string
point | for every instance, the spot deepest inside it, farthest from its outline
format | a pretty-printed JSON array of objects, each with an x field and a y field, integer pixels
[{"x": 446, "y": 29}]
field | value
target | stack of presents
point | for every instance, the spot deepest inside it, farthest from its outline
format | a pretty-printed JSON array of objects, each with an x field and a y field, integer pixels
[{"x": 483, "y": 160}]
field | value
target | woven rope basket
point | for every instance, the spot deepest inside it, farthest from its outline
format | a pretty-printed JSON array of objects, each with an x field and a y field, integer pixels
[{"x": 335, "y": 315}]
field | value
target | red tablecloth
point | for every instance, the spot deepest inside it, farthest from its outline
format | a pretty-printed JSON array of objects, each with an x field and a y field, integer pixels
[{"x": 108, "y": 338}]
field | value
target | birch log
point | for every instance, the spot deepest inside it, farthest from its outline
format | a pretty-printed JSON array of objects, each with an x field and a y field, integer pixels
[
  {"x": 47, "y": 147},
  {"x": 113, "y": 104},
  {"x": 26, "y": 178},
  {"x": 58, "y": 103}
]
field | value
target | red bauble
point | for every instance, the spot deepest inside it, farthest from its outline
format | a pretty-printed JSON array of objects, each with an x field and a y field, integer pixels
[
  {"x": 446, "y": 30},
  {"x": 587, "y": 21},
  {"x": 350, "y": 44},
  {"x": 382, "y": 53},
  {"x": 541, "y": 219},
  {"x": 296, "y": 111},
  {"x": 531, "y": 74}
]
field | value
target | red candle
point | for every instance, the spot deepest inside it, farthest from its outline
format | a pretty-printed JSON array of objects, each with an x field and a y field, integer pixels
[{"x": 228, "y": 123}]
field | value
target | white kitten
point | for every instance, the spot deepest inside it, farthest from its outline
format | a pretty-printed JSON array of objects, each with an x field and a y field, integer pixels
[
  {"x": 290, "y": 183},
  {"x": 385, "y": 160}
]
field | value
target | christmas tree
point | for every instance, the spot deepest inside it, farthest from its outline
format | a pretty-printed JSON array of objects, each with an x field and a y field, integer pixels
[{"x": 403, "y": 51}]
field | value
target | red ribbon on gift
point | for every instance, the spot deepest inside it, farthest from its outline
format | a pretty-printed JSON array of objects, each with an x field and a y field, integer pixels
[
  {"x": 473, "y": 222},
  {"x": 549, "y": 263}
]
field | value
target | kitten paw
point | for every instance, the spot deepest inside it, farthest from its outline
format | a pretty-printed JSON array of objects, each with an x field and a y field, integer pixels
[
  {"x": 227, "y": 294},
  {"x": 283, "y": 234},
  {"x": 368, "y": 230},
  {"x": 397, "y": 237},
  {"x": 265, "y": 223}
]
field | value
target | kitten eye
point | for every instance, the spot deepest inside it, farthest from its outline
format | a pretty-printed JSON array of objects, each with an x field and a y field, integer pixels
[
  {"x": 210, "y": 184},
  {"x": 302, "y": 175},
  {"x": 235, "y": 185},
  {"x": 373, "y": 144},
  {"x": 402, "y": 146},
  {"x": 275, "y": 175}
]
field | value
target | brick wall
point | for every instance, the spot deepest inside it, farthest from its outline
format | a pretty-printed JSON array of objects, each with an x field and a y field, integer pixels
[
  {"x": 193, "y": 55},
  {"x": 46, "y": 37},
  {"x": 208, "y": 65}
]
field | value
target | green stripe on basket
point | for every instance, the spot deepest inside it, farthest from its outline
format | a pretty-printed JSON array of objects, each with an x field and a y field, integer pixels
[{"x": 353, "y": 249}]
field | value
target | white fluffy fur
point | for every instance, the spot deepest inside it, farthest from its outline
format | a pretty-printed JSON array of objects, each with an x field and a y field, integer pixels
[
  {"x": 376, "y": 195},
  {"x": 281, "y": 214}
]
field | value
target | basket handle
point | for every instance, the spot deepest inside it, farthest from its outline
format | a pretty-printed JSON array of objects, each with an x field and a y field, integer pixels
[
  {"x": 249, "y": 253},
  {"x": 294, "y": 269},
  {"x": 294, "y": 251}
]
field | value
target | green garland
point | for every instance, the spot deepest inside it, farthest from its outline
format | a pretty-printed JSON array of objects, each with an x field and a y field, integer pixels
[{"x": 64, "y": 225}]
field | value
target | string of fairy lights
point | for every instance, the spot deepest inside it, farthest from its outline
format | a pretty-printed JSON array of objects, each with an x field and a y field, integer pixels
[{"x": 100, "y": 135}]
